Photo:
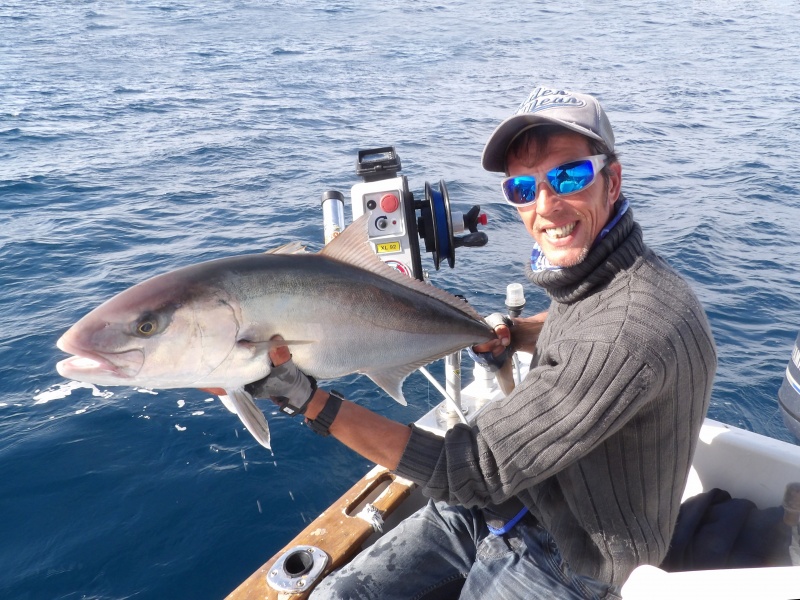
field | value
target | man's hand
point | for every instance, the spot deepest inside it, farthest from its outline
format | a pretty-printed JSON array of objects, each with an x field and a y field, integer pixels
[
  {"x": 493, "y": 354},
  {"x": 286, "y": 385},
  {"x": 279, "y": 354},
  {"x": 498, "y": 345},
  {"x": 373, "y": 436},
  {"x": 525, "y": 336}
]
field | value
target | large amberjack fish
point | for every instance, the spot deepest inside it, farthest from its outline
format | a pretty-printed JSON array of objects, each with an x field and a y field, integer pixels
[{"x": 209, "y": 325}]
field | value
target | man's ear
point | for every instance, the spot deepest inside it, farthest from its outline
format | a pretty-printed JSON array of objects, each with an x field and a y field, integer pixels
[{"x": 614, "y": 182}]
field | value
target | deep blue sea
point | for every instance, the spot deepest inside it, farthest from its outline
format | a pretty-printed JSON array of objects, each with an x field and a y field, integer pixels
[{"x": 139, "y": 136}]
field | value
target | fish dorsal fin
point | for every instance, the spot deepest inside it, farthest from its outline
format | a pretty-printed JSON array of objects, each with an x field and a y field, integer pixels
[
  {"x": 290, "y": 248},
  {"x": 352, "y": 247}
]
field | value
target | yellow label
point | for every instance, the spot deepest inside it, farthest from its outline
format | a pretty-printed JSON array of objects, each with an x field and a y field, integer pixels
[{"x": 388, "y": 247}]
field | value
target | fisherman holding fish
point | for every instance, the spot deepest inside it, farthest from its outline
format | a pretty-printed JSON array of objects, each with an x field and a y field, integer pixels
[
  {"x": 560, "y": 489},
  {"x": 574, "y": 479}
]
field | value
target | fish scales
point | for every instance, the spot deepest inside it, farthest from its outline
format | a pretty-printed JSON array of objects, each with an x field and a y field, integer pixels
[{"x": 355, "y": 313}]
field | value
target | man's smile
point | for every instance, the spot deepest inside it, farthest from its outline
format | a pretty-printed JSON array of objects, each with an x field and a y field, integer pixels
[{"x": 558, "y": 233}]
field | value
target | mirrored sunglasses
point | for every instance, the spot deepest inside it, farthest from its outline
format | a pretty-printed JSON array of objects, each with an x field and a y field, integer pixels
[{"x": 566, "y": 179}]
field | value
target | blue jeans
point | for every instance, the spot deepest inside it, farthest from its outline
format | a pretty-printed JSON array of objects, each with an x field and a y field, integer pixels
[{"x": 445, "y": 551}]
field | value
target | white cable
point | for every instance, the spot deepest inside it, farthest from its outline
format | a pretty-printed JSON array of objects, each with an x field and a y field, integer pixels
[{"x": 447, "y": 397}]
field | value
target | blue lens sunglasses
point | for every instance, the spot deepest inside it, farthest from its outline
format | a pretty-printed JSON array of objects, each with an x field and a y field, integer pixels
[{"x": 566, "y": 179}]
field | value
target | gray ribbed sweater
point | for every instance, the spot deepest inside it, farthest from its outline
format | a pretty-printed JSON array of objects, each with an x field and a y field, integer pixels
[{"x": 598, "y": 439}]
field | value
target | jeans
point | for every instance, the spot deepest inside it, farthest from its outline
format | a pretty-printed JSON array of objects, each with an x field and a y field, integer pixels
[{"x": 445, "y": 551}]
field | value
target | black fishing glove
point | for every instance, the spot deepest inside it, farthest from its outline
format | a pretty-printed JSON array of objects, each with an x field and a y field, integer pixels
[
  {"x": 287, "y": 386},
  {"x": 486, "y": 359}
]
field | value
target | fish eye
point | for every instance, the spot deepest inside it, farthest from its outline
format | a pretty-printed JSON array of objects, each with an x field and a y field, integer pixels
[{"x": 147, "y": 326}]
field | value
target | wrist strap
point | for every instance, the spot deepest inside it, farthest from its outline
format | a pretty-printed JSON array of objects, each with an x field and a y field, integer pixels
[
  {"x": 322, "y": 424},
  {"x": 497, "y": 319}
]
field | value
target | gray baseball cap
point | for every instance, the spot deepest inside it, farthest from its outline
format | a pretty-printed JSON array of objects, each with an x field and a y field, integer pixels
[{"x": 578, "y": 112}]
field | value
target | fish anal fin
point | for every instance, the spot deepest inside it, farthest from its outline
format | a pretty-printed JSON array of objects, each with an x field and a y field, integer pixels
[
  {"x": 227, "y": 403},
  {"x": 252, "y": 418},
  {"x": 391, "y": 380},
  {"x": 390, "y": 383}
]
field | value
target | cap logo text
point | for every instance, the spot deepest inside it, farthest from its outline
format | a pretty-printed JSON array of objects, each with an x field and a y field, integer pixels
[{"x": 543, "y": 98}]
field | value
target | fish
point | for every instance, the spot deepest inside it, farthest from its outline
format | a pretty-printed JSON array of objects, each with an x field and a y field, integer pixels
[{"x": 210, "y": 325}]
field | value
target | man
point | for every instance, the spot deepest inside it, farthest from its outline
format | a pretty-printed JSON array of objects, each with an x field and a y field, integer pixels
[{"x": 566, "y": 485}]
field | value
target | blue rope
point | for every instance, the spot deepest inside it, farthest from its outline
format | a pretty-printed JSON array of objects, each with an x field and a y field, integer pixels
[{"x": 509, "y": 524}]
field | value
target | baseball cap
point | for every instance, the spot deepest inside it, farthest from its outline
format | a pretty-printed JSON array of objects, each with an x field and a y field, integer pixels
[{"x": 579, "y": 112}]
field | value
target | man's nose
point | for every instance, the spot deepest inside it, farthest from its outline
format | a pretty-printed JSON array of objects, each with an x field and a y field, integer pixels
[{"x": 546, "y": 199}]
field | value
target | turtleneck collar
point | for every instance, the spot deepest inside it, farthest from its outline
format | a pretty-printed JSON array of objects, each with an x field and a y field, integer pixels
[{"x": 617, "y": 250}]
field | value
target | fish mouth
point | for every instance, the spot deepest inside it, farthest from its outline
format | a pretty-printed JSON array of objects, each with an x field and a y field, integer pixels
[
  {"x": 76, "y": 367},
  {"x": 88, "y": 364}
]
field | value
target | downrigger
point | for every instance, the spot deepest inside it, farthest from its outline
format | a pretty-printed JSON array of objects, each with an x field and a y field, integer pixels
[{"x": 397, "y": 222}]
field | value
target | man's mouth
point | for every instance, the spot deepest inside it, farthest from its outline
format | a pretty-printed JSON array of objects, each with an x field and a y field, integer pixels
[{"x": 557, "y": 233}]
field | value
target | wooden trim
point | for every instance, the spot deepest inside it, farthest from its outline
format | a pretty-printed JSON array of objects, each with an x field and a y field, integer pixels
[{"x": 337, "y": 531}]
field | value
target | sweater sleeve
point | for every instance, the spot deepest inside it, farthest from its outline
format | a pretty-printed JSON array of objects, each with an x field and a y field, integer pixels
[{"x": 579, "y": 395}]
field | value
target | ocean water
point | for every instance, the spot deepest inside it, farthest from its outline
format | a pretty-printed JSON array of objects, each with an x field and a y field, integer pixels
[{"x": 139, "y": 136}]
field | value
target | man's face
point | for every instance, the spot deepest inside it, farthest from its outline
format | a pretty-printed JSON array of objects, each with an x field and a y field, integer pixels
[{"x": 566, "y": 226}]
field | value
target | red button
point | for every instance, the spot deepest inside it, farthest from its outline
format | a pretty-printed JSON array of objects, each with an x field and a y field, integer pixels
[{"x": 389, "y": 203}]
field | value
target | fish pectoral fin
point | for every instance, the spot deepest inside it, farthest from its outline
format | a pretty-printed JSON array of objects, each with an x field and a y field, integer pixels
[
  {"x": 270, "y": 344},
  {"x": 244, "y": 406},
  {"x": 391, "y": 380}
]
